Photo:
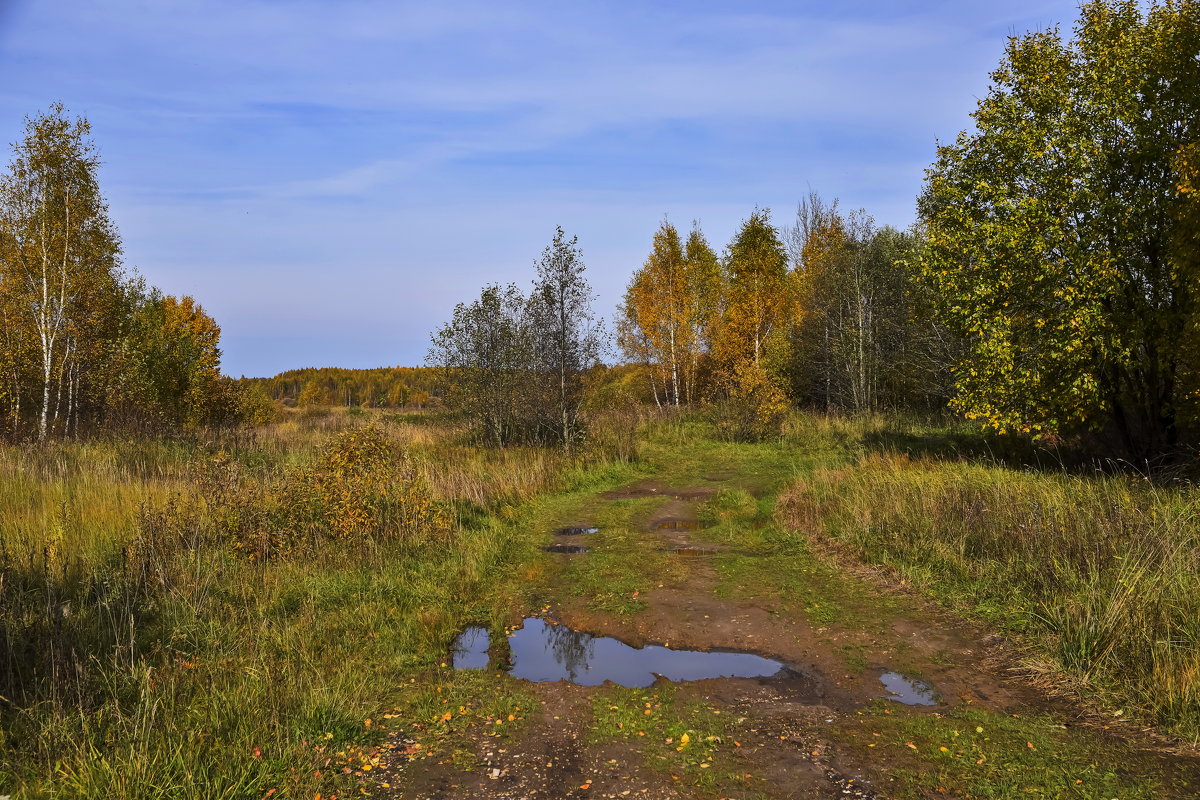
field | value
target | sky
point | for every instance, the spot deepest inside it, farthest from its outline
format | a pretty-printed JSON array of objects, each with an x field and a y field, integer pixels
[{"x": 328, "y": 179}]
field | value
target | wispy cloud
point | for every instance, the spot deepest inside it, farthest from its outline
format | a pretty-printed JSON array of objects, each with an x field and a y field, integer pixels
[{"x": 358, "y": 166}]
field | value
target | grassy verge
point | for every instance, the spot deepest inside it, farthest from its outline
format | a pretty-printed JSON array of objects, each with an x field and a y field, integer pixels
[
  {"x": 1098, "y": 573},
  {"x": 149, "y": 653},
  {"x": 977, "y": 754}
]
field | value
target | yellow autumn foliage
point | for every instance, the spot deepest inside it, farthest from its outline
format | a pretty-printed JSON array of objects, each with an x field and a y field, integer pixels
[{"x": 362, "y": 490}]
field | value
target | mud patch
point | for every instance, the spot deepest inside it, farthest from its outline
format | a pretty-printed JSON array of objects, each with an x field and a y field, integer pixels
[
  {"x": 909, "y": 691},
  {"x": 644, "y": 489},
  {"x": 543, "y": 651}
]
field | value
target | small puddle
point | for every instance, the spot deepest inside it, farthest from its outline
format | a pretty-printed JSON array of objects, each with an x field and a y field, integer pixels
[
  {"x": 542, "y": 652},
  {"x": 565, "y": 548},
  {"x": 575, "y": 530},
  {"x": 693, "y": 550},
  {"x": 909, "y": 691},
  {"x": 678, "y": 525}
]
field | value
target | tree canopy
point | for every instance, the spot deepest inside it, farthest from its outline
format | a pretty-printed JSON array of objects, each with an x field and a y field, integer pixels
[{"x": 1052, "y": 228}]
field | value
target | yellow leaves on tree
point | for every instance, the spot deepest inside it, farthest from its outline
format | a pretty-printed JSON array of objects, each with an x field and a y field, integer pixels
[
  {"x": 756, "y": 405},
  {"x": 759, "y": 298},
  {"x": 668, "y": 311}
]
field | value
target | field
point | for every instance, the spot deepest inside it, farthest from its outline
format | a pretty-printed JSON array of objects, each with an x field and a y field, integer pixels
[{"x": 270, "y": 614}]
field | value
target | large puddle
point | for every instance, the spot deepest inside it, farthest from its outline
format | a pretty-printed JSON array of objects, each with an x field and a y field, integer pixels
[
  {"x": 542, "y": 651},
  {"x": 909, "y": 691}
]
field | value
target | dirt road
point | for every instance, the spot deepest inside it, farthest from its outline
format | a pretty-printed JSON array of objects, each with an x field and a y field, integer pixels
[{"x": 826, "y": 726}]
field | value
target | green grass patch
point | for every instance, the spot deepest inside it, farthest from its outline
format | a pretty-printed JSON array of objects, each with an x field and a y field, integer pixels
[
  {"x": 446, "y": 717},
  {"x": 685, "y": 738},
  {"x": 977, "y": 754}
]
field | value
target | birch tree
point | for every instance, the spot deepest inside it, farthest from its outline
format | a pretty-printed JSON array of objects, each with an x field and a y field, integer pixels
[
  {"x": 59, "y": 252},
  {"x": 569, "y": 337},
  {"x": 759, "y": 298}
]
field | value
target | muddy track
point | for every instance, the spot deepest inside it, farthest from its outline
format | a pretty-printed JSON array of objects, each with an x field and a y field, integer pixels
[{"x": 788, "y": 746}]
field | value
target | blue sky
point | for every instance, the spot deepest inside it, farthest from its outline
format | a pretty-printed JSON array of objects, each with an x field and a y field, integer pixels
[{"x": 329, "y": 178}]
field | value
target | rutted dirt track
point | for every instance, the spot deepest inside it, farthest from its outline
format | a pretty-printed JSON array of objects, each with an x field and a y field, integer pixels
[{"x": 787, "y": 746}]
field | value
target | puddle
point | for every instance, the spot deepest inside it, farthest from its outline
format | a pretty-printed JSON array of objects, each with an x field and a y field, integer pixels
[
  {"x": 678, "y": 525},
  {"x": 471, "y": 649},
  {"x": 693, "y": 550},
  {"x": 565, "y": 548},
  {"x": 544, "y": 652},
  {"x": 575, "y": 530},
  {"x": 909, "y": 691}
]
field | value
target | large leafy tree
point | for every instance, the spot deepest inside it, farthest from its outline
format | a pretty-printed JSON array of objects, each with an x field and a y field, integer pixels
[
  {"x": 1051, "y": 227},
  {"x": 759, "y": 298}
]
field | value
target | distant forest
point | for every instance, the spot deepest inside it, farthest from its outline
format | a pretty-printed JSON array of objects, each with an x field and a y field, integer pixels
[{"x": 382, "y": 387}]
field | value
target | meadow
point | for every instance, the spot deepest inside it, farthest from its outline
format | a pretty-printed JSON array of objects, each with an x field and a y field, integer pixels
[{"x": 249, "y": 613}]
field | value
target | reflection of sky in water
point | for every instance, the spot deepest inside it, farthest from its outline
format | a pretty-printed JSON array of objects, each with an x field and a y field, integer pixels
[
  {"x": 471, "y": 649},
  {"x": 909, "y": 691},
  {"x": 545, "y": 652},
  {"x": 565, "y": 548}
]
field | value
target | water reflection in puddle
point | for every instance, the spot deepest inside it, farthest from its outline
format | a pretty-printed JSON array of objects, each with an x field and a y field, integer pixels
[
  {"x": 471, "y": 649},
  {"x": 575, "y": 530},
  {"x": 678, "y": 525},
  {"x": 545, "y": 652},
  {"x": 909, "y": 691},
  {"x": 693, "y": 550},
  {"x": 565, "y": 548}
]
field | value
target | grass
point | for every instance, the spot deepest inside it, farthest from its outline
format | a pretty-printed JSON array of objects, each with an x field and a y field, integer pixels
[
  {"x": 1097, "y": 573},
  {"x": 144, "y": 658},
  {"x": 684, "y": 738},
  {"x": 977, "y": 754}
]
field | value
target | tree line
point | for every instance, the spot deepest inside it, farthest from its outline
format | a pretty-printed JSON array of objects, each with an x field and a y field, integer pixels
[
  {"x": 381, "y": 387},
  {"x": 1048, "y": 289},
  {"x": 826, "y": 312},
  {"x": 83, "y": 344}
]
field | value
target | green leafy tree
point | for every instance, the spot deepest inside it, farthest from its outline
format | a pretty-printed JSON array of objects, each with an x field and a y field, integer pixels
[
  {"x": 486, "y": 351},
  {"x": 569, "y": 338},
  {"x": 705, "y": 284},
  {"x": 863, "y": 339},
  {"x": 757, "y": 304},
  {"x": 1051, "y": 241}
]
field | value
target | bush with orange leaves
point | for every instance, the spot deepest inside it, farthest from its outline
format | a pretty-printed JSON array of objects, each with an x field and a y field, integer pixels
[{"x": 362, "y": 490}]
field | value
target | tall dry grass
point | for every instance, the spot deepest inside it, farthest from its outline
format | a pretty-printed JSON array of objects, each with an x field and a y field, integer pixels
[
  {"x": 1100, "y": 573},
  {"x": 148, "y": 652}
]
